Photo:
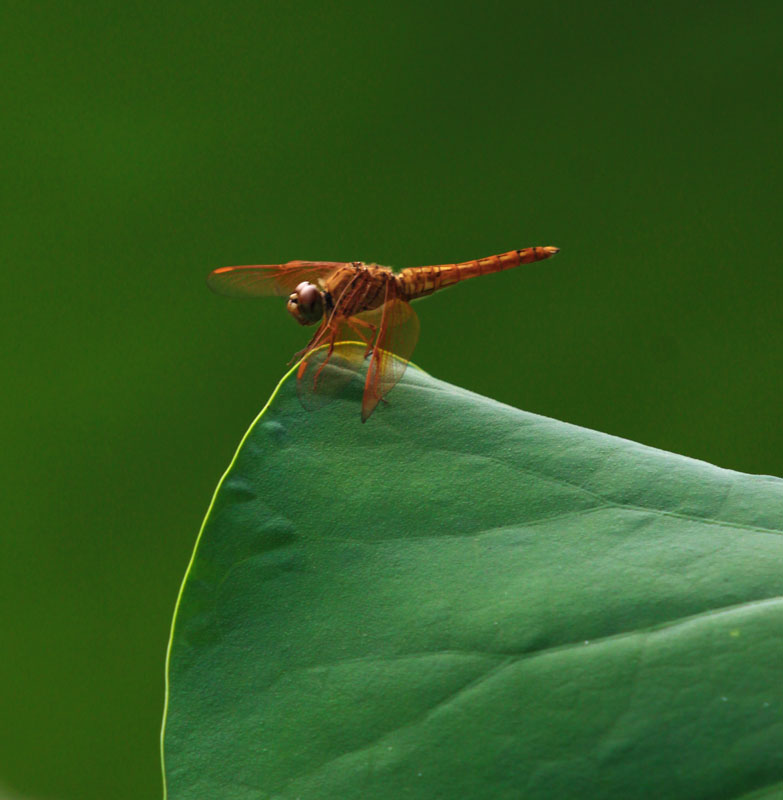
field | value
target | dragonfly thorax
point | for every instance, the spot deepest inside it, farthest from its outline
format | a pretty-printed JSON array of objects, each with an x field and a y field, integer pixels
[{"x": 306, "y": 304}]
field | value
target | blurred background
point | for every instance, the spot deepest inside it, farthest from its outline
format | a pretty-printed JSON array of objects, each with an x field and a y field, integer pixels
[{"x": 144, "y": 144}]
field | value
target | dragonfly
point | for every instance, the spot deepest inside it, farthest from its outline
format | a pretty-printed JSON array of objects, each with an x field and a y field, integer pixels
[{"x": 362, "y": 311}]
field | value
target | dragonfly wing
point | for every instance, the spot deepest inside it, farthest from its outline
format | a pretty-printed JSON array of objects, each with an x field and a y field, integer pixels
[
  {"x": 394, "y": 345},
  {"x": 264, "y": 280},
  {"x": 330, "y": 361}
]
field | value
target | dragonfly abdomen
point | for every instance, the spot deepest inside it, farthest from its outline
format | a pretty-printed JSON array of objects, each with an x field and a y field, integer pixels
[{"x": 420, "y": 281}]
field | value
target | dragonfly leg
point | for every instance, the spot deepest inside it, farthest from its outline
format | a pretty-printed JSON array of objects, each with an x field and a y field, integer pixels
[
  {"x": 312, "y": 344},
  {"x": 368, "y": 338},
  {"x": 357, "y": 324},
  {"x": 325, "y": 361}
]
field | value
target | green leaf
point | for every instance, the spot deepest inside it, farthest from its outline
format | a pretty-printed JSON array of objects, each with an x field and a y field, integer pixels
[{"x": 463, "y": 600}]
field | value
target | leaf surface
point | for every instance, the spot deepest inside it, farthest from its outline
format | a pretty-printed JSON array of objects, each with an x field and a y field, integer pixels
[{"x": 459, "y": 599}]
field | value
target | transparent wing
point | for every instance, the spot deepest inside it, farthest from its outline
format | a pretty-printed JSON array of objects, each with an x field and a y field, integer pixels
[
  {"x": 394, "y": 345},
  {"x": 331, "y": 360},
  {"x": 264, "y": 280},
  {"x": 324, "y": 375}
]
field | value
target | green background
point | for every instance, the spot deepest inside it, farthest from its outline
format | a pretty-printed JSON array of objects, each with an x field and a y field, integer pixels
[{"x": 144, "y": 144}]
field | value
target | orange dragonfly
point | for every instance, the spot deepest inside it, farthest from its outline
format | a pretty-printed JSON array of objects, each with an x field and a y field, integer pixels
[{"x": 350, "y": 300}]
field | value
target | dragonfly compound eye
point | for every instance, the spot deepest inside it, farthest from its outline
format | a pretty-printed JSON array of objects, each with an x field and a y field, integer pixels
[{"x": 306, "y": 303}]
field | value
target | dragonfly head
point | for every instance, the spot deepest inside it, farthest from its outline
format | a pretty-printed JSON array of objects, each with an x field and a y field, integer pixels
[{"x": 306, "y": 304}]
